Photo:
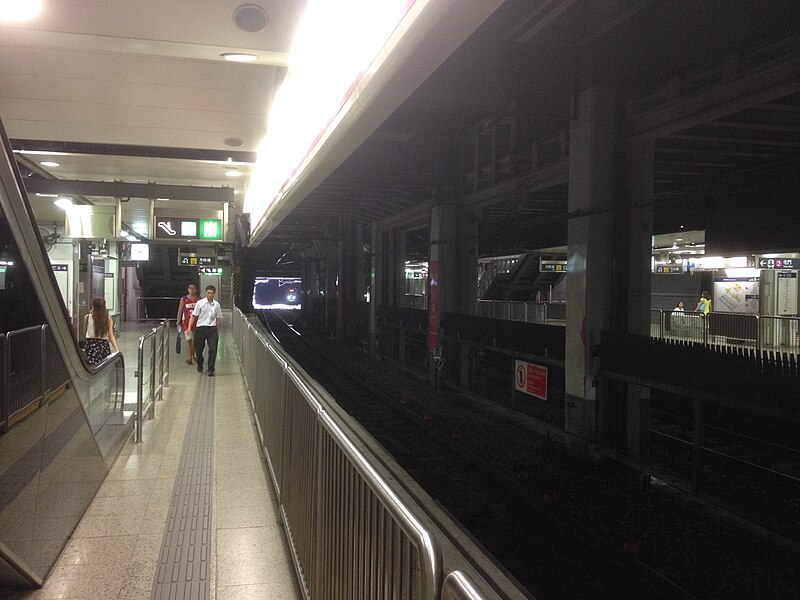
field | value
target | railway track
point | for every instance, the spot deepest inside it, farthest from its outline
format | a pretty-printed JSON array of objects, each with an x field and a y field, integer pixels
[{"x": 552, "y": 556}]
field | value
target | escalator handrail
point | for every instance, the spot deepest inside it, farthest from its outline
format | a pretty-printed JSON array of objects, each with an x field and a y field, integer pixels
[{"x": 21, "y": 220}]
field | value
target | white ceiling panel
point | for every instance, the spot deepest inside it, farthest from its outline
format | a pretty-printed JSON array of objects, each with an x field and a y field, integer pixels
[{"x": 143, "y": 73}]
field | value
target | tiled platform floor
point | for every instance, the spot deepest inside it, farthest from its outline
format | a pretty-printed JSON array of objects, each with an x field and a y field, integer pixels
[{"x": 115, "y": 549}]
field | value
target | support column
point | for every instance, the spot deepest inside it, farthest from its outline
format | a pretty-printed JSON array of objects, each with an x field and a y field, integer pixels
[
  {"x": 590, "y": 240},
  {"x": 635, "y": 277},
  {"x": 443, "y": 277},
  {"x": 347, "y": 274},
  {"x": 375, "y": 280},
  {"x": 399, "y": 267},
  {"x": 467, "y": 256}
]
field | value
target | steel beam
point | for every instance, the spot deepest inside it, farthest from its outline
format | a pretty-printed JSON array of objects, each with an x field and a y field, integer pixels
[
  {"x": 121, "y": 189},
  {"x": 748, "y": 91}
]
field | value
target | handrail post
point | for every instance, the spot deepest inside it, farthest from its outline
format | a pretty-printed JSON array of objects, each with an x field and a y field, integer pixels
[
  {"x": 166, "y": 352},
  {"x": 43, "y": 358},
  {"x": 6, "y": 381},
  {"x": 140, "y": 391},
  {"x": 152, "y": 377},
  {"x": 758, "y": 334}
]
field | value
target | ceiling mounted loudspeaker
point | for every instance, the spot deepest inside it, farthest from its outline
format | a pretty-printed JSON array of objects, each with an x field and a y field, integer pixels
[
  {"x": 234, "y": 142},
  {"x": 250, "y": 18}
]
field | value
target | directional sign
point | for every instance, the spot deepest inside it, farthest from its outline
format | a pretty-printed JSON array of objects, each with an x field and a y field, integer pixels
[
  {"x": 210, "y": 270},
  {"x": 552, "y": 266},
  {"x": 176, "y": 228},
  {"x": 779, "y": 263},
  {"x": 191, "y": 260},
  {"x": 670, "y": 269}
]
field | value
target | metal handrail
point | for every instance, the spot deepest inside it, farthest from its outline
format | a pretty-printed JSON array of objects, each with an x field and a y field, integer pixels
[
  {"x": 305, "y": 428},
  {"x": 43, "y": 382},
  {"x": 426, "y": 545},
  {"x": 761, "y": 332},
  {"x": 459, "y": 586},
  {"x": 138, "y": 306},
  {"x": 160, "y": 355},
  {"x": 527, "y": 311}
]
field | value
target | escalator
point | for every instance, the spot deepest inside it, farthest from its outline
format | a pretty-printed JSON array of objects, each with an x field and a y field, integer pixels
[{"x": 62, "y": 422}]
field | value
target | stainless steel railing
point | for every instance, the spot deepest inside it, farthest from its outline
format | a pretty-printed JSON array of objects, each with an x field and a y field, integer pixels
[
  {"x": 459, "y": 586},
  {"x": 762, "y": 333},
  {"x": 166, "y": 306},
  {"x": 546, "y": 313},
  {"x": 351, "y": 535},
  {"x": 31, "y": 370},
  {"x": 152, "y": 373}
]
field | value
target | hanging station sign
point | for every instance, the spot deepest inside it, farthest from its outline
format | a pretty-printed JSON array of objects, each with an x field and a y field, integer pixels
[
  {"x": 778, "y": 263},
  {"x": 176, "y": 228},
  {"x": 210, "y": 270},
  {"x": 552, "y": 266},
  {"x": 669, "y": 269}
]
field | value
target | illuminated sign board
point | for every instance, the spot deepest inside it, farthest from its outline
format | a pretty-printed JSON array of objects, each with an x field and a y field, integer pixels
[
  {"x": 779, "y": 263},
  {"x": 210, "y": 270},
  {"x": 552, "y": 266},
  {"x": 175, "y": 228},
  {"x": 670, "y": 269},
  {"x": 193, "y": 260},
  {"x": 140, "y": 252}
]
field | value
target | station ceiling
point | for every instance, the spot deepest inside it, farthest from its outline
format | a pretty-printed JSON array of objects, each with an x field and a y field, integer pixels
[
  {"x": 139, "y": 91},
  {"x": 108, "y": 82}
]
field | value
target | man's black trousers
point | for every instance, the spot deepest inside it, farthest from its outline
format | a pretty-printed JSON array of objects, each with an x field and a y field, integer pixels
[{"x": 201, "y": 336}]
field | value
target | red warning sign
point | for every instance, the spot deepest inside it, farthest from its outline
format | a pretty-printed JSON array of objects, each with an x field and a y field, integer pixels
[{"x": 530, "y": 379}]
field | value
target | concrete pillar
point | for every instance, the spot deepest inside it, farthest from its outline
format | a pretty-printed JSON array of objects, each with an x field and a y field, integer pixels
[
  {"x": 638, "y": 235},
  {"x": 592, "y": 163},
  {"x": 347, "y": 275},
  {"x": 467, "y": 256},
  {"x": 375, "y": 281},
  {"x": 443, "y": 274},
  {"x": 399, "y": 267},
  {"x": 635, "y": 276}
]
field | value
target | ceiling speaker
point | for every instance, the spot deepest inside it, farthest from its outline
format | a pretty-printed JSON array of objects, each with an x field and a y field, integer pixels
[{"x": 250, "y": 18}]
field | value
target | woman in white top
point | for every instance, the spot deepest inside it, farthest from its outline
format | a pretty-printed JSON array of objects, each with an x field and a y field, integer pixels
[
  {"x": 99, "y": 332},
  {"x": 679, "y": 307}
]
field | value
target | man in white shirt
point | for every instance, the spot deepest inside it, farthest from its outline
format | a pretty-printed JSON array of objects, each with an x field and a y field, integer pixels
[{"x": 207, "y": 314}]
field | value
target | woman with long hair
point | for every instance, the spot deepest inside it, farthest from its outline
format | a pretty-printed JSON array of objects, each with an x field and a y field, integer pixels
[{"x": 99, "y": 332}]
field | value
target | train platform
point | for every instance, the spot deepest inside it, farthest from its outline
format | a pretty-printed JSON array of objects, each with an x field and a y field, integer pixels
[{"x": 188, "y": 512}]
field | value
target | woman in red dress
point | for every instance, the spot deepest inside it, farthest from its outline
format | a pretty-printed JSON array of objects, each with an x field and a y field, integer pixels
[{"x": 184, "y": 316}]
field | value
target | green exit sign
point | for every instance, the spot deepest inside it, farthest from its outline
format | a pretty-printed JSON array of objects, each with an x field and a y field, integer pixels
[{"x": 210, "y": 229}]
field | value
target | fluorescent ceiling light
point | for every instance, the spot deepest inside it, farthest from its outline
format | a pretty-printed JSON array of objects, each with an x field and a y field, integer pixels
[
  {"x": 163, "y": 199},
  {"x": 239, "y": 57},
  {"x": 334, "y": 46},
  {"x": 19, "y": 10},
  {"x": 49, "y": 163},
  {"x": 46, "y": 195},
  {"x": 39, "y": 152},
  {"x": 233, "y": 173},
  {"x": 63, "y": 203}
]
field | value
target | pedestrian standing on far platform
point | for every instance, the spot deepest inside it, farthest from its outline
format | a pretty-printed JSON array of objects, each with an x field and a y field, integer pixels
[
  {"x": 206, "y": 315},
  {"x": 704, "y": 305}
]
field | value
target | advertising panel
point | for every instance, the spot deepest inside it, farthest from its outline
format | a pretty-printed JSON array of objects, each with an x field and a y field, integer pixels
[{"x": 530, "y": 379}]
